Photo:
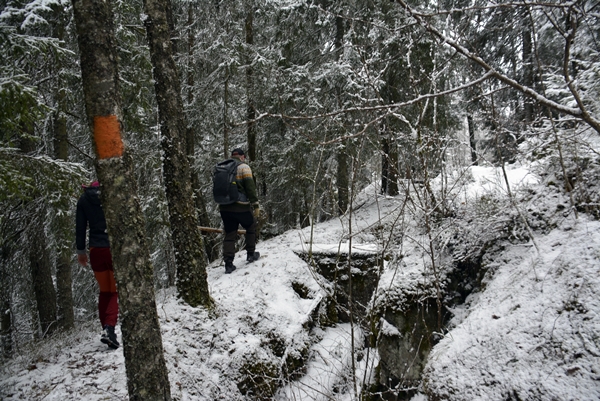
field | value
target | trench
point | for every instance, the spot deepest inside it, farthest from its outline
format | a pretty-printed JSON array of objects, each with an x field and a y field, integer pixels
[
  {"x": 404, "y": 332},
  {"x": 403, "y": 329}
]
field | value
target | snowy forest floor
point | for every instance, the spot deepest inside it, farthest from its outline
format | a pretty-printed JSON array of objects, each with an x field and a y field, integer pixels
[{"x": 532, "y": 332}]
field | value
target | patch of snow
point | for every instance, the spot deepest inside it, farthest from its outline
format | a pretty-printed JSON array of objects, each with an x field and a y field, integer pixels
[{"x": 534, "y": 332}]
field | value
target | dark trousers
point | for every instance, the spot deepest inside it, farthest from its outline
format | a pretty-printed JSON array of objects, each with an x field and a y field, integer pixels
[
  {"x": 231, "y": 221},
  {"x": 108, "y": 305}
]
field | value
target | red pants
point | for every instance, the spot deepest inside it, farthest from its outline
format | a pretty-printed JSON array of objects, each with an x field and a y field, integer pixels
[{"x": 108, "y": 305}]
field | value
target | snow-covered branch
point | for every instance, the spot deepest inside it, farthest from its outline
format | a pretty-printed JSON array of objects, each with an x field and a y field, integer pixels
[{"x": 578, "y": 112}]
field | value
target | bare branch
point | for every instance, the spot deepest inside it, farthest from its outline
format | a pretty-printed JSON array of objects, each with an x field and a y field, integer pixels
[
  {"x": 388, "y": 107},
  {"x": 576, "y": 112}
]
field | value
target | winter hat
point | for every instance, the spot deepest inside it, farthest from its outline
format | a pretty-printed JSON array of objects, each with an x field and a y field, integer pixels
[
  {"x": 94, "y": 184},
  {"x": 237, "y": 151}
]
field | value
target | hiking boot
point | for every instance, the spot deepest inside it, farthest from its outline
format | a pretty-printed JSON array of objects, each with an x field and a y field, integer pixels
[
  {"x": 109, "y": 337},
  {"x": 252, "y": 257},
  {"x": 229, "y": 267}
]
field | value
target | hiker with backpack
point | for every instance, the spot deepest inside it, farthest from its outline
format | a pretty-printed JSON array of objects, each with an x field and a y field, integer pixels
[
  {"x": 90, "y": 214},
  {"x": 235, "y": 192}
]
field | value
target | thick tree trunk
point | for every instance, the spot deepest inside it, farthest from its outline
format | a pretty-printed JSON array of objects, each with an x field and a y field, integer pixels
[
  {"x": 191, "y": 260},
  {"x": 147, "y": 376}
]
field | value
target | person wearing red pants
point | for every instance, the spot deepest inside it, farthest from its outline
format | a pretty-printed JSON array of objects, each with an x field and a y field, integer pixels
[{"x": 90, "y": 214}]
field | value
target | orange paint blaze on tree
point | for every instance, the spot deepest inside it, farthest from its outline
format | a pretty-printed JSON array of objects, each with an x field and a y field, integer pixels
[{"x": 107, "y": 136}]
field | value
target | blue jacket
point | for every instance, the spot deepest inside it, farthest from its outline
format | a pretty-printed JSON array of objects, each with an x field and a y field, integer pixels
[{"x": 90, "y": 213}]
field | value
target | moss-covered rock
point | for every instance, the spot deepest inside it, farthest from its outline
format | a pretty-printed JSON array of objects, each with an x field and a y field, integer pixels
[
  {"x": 259, "y": 377},
  {"x": 294, "y": 363},
  {"x": 353, "y": 282}
]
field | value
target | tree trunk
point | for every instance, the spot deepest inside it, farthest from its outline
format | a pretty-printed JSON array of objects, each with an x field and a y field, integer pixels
[
  {"x": 472, "y": 143},
  {"x": 389, "y": 166},
  {"x": 6, "y": 278},
  {"x": 63, "y": 231},
  {"x": 250, "y": 110},
  {"x": 39, "y": 259},
  {"x": 385, "y": 164},
  {"x": 393, "y": 169},
  {"x": 528, "y": 72},
  {"x": 147, "y": 376},
  {"x": 225, "y": 112},
  {"x": 192, "y": 283},
  {"x": 343, "y": 178},
  {"x": 6, "y": 329},
  {"x": 41, "y": 274},
  {"x": 64, "y": 280},
  {"x": 210, "y": 241}
]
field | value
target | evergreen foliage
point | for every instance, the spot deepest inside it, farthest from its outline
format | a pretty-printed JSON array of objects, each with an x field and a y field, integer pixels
[{"x": 389, "y": 86}]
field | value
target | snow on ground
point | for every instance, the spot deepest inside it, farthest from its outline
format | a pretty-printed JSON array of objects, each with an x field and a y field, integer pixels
[
  {"x": 71, "y": 366},
  {"x": 255, "y": 304},
  {"x": 331, "y": 359},
  {"x": 534, "y": 332},
  {"x": 491, "y": 179}
]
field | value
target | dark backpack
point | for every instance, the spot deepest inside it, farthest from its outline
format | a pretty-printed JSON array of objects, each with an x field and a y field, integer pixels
[{"x": 225, "y": 189}]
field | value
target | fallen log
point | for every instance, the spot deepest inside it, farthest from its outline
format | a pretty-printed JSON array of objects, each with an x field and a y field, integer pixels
[{"x": 218, "y": 230}]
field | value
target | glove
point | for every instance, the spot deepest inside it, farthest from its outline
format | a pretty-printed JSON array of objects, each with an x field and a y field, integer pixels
[{"x": 256, "y": 212}]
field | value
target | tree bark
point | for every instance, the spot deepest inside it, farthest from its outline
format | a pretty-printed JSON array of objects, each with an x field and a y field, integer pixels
[
  {"x": 225, "y": 113},
  {"x": 528, "y": 73},
  {"x": 39, "y": 259},
  {"x": 5, "y": 296},
  {"x": 64, "y": 280},
  {"x": 147, "y": 376},
  {"x": 6, "y": 329},
  {"x": 250, "y": 110},
  {"x": 472, "y": 143},
  {"x": 342, "y": 181},
  {"x": 192, "y": 283},
  {"x": 210, "y": 242},
  {"x": 343, "y": 178},
  {"x": 385, "y": 164},
  {"x": 41, "y": 274},
  {"x": 389, "y": 166}
]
